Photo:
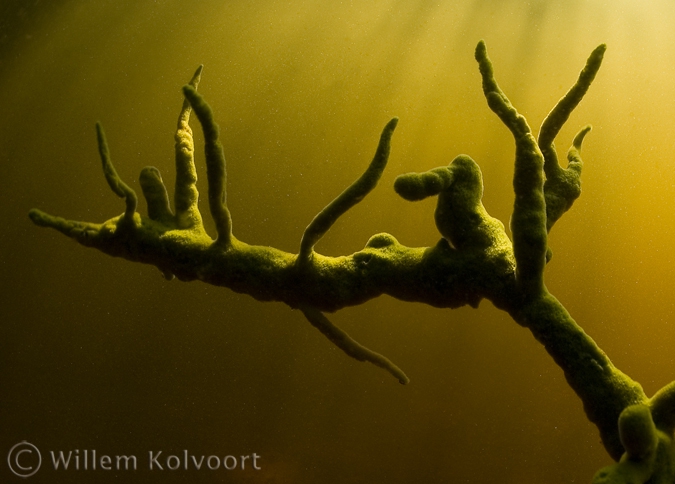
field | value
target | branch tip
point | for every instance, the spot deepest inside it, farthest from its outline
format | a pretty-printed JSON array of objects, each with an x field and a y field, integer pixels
[
  {"x": 197, "y": 76},
  {"x": 598, "y": 53},
  {"x": 184, "y": 116},
  {"x": 391, "y": 125},
  {"x": 481, "y": 51},
  {"x": 38, "y": 217}
]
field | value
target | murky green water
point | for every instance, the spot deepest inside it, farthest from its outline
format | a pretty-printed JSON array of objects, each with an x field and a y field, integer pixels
[{"x": 101, "y": 354}]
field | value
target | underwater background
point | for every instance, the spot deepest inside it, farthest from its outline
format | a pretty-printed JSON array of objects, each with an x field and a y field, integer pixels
[{"x": 102, "y": 354}]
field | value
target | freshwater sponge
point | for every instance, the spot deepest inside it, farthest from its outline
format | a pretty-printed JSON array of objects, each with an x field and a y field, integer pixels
[{"x": 474, "y": 260}]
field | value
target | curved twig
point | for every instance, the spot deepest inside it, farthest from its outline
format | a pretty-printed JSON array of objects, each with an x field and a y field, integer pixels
[
  {"x": 356, "y": 192},
  {"x": 118, "y": 187},
  {"x": 557, "y": 117},
  {"x": 563, "y": 186},
  {"x": 215, "y": 166},
  {"x": 347, "y": 344}
]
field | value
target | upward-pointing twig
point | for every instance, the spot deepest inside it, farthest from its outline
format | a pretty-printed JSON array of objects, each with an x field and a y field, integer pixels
[
  {"x": 186, "y": 197},
  {"x": 155, "y": 195},
  {"x": 350, "y": 197},
  {"x": 559, "y": 115},
  {"x": 118, "y": 187},
  {"x": 528, "y": 221},
  {"x": 563, "y": 186},
  {"x": 215, "y": 166}
]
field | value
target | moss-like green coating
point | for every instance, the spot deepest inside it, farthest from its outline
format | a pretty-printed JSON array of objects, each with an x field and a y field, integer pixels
[
  {"x": 663, "y": 408},
  {"x": 187, "y": 212},
  {"x": 215, "y": 165},
  {"x": 649, "y": 456},
  {"x": 637, "y": 432},
  {"x": 155, "y": 194},
  {"x": 460, "y": 215},
  {"x": 474, "y": 259}
]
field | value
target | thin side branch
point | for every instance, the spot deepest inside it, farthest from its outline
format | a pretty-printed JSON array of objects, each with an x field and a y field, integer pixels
[
  {"x": 118, "y": 187},
  {"x": 563, "y": 186},
  {"x": 83, "y": 232},
  {"x": 356, "y": 192},
  {"x": 215, "y": 166},
  {"x": 496, "y": 98},
  {"x": 559, "y": 115},
  {"x": 528, "y": 222},
  {"x": 186, "y": 193},
  {"x": 345, "y": 342}
]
